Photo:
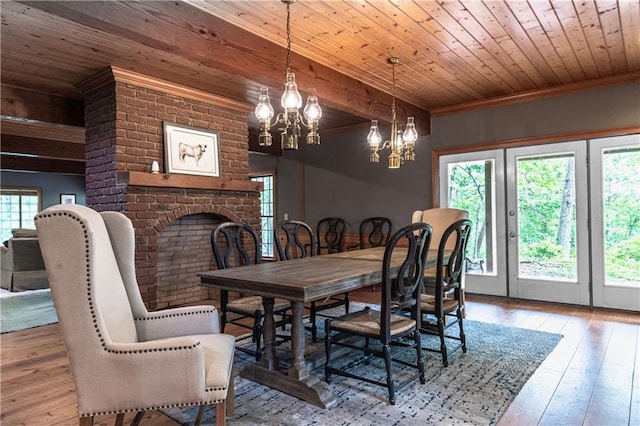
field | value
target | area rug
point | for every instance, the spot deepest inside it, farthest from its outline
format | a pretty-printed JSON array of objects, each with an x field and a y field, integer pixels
[
  {"x": 475, "y": 389},
  {"x": 27, "y": 310}
]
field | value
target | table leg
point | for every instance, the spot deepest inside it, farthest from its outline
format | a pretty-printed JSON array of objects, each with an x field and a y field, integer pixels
[
  {"x": 297, "y": 381},
  {"x": 299, "y": 369},
  {"x": 269, "y": 358}
]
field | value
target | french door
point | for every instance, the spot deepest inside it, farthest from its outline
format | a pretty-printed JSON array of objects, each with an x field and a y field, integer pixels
[
  {"x": 554, "y": 222},
  {"x": 475, "y": 182},
  {"x": 547, "y": 223},
  {"x": 615, "y": 207}
]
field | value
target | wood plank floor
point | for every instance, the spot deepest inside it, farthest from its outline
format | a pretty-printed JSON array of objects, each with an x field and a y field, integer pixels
[{"x": 591, "y": 378}]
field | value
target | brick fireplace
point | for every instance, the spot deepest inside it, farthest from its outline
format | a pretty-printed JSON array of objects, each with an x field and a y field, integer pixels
[{"x": 172, "y": 214}]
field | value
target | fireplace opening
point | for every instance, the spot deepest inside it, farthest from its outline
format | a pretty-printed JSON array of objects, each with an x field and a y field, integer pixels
[{"x": 184, "y": 249}]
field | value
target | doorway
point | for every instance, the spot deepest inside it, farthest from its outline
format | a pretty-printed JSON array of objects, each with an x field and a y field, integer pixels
[{"x": 555, "y": 222}]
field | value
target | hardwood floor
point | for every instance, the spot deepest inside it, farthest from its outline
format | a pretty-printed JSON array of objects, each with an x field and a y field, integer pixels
[{"x": 591, "y": 378}]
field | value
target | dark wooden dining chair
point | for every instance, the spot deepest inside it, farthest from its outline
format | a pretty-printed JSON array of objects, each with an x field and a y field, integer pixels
[
  {"x": 373, "y": 232},
  {"x": 294, "y": 239},
  {"x": 442, "y": 301},
  {"x": 330, "y": 234},
  {"x": 236, "y": 244},
  {"x": 392, "y": 331}
]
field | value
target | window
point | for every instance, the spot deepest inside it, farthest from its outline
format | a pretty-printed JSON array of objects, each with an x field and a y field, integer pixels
[
  {"x": 19, "y": 206},
  {"x": 267, "y": 209}
]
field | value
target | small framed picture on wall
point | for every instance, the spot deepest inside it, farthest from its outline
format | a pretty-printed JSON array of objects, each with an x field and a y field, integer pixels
[
  {"x": 191, "y": 151},
  {"x": 67, "y": 198}
]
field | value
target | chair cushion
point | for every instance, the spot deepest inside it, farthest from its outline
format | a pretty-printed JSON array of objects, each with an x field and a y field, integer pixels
[
  {"x": 24, "y": 233},
  {"x": 248, "y": 305},
  {"x": 430, "y": 273},
  {"x": 428, "y": 306},
  {"x": 368, "y": 322}
]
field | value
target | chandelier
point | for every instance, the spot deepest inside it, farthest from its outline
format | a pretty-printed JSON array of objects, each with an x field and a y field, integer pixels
[
  {"x": 289, "y": 122},
  {"x": 401, "y": 144}
]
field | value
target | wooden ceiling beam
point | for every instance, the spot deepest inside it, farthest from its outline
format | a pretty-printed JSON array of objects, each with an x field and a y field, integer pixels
[
  {"x": 217, "y": 44},
  {"x": 33, "y": 105},
  {"x": 41, "y": 130},
  {"x": 23, "y": 145},
  {"x": 44, "y": 165}
]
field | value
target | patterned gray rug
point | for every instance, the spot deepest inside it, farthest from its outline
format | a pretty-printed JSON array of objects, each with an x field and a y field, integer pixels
[
  {"x": 476, "y": 388},
  {"x": 27, "y": 310}
]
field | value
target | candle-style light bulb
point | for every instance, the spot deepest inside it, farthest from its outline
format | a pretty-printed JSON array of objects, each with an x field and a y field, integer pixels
[{"x": 291, "y": 99}]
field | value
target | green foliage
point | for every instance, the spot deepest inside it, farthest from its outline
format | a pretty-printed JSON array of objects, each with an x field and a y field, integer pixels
[
  {"x": 623, "y": 260},
  {"x": 543, "y": 185},
  {"x": 539, "y": 250}
]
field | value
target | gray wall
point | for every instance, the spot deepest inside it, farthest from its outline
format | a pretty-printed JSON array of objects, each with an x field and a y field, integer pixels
[
  {"x": 52, "y": 184},
  {"x": 336, "y": 178}
]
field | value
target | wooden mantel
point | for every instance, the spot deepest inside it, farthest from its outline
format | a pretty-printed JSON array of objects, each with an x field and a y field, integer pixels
[{"x": 186, "y": 181}]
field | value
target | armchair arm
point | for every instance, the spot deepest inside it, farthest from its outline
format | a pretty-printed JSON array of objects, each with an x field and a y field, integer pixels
[
  {"x": 137, "y": 376},
  {"x": 177, "y": 322}
]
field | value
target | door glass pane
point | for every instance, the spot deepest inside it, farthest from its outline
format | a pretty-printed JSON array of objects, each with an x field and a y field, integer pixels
[
  {"x": 472, "y": 188},
  {"x": 266, "y": 213},
  {"x": 546, "y": 217},
  {"x": 621, "y": 205}
]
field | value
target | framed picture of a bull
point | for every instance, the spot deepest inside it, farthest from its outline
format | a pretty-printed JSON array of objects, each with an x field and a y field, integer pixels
[{"x": 191, "y": 151}]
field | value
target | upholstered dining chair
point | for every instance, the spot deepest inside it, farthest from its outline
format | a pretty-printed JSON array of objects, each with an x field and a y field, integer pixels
[
  {"x": 294, "y": 239},
  {"x": 373, "y": 232},
  {"x": 122, "y": 357},
  {"x": 440, "y": 218},
  {"x": 330, "y": 234},
  {"x": 237, "y": 244},
  {"x": 394, "y": 332},
  {"x": 443, "y": 294}
]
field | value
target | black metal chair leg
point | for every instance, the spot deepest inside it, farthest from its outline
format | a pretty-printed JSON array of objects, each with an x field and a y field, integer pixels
[
  {"x": 390, "y": 385},
  {"x": 327, "y": 350},
  {"x": 312, "y": 318},
  {"x": 443, "y": 346}
]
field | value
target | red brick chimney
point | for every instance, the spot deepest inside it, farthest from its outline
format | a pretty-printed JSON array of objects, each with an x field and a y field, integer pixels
[{"x": 124, "y": 117}]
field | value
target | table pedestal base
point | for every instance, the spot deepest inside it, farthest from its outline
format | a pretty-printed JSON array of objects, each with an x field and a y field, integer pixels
[{"x": 310, "y": 388}]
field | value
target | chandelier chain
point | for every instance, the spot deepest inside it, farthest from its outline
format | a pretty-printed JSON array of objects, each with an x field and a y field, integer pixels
[
  {"x": 288, "y": 69},
  {"x": 393, "y": 91}
]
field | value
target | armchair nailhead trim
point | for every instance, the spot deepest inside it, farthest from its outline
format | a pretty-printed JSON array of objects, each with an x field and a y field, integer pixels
[
  {"x": 144, "y": 351},
  {"x": 181, "y": 314},
  {"x": 155, "y": 407}
]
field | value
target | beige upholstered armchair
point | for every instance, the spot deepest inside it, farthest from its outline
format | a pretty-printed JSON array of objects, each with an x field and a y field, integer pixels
[{"x": 123, "y": 358}]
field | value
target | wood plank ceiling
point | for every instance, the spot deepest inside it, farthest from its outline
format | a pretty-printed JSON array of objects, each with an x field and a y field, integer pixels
[{"x": 454, "y": 54}]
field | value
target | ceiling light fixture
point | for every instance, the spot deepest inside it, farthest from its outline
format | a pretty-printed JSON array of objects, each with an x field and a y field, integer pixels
[
  {"x": 401, "y": 145},
  {"x": 289, "y": 121}
]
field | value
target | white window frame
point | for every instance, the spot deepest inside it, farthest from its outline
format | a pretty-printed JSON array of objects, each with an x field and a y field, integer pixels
[
  {"x": 23, "y": 221},
  {"x": 268, "y": 250}
]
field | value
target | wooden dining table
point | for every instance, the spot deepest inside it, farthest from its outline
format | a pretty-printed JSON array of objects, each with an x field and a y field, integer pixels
[{"x": 300, "y": 281}]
